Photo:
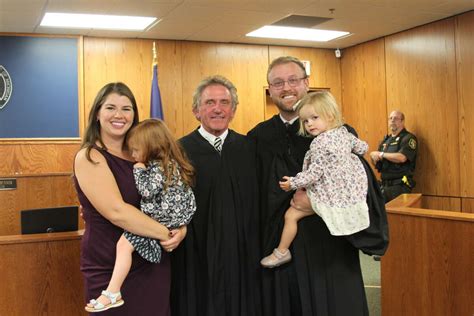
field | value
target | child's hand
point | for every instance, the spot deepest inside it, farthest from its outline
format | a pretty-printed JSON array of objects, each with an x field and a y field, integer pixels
[
  {"x": 139, "y": 165},
  {"x": 285, "y": 184}
]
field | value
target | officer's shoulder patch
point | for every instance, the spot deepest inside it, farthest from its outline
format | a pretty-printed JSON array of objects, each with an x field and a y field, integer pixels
[{"x": 412, "y": 143}]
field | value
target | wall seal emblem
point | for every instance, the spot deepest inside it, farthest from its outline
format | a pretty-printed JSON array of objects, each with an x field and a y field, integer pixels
[{"x": 6, "y": 87}]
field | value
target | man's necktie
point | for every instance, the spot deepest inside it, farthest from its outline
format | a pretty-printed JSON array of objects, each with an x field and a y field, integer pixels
[{"x": 218, "y": 144}]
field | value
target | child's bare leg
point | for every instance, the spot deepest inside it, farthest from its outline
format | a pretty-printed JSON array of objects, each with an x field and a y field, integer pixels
[
  {"x": 292, "y": 217},
  {"x": 123, "y": 262},
  {"x": 282, "y": 255}
]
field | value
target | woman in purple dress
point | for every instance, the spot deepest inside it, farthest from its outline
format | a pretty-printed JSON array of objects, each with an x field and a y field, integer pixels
[{"x": 103, "y": 174}]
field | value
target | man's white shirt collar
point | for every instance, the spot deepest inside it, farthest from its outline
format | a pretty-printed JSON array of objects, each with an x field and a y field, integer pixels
[
  {"x": 290, "y": 121},
  {"x": 211, "y": 138}
]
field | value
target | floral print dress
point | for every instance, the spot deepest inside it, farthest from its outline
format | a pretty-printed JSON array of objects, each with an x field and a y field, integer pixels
[
  {"x": 172, "y": 206},
  {"x": 335, "y": 181}
]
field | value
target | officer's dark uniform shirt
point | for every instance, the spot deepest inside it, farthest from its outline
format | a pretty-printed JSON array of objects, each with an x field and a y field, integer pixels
[{"x": 404, "y": 143}]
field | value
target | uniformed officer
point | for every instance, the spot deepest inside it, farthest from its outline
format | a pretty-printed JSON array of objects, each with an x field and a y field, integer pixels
[{"x": 396, "y": 158}]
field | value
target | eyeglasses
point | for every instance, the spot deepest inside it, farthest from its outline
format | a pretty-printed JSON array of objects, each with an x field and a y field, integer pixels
[{"x": 293, "y": 82}]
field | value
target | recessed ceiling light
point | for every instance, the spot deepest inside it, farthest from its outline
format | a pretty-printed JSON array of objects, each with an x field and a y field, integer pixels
[
  {"x": 297, "y": 33},
  {"x": 97, "y": 21}
]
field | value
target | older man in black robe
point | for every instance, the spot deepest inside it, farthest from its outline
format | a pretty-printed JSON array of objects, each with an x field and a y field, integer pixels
[{"x": 215, "y": 271}]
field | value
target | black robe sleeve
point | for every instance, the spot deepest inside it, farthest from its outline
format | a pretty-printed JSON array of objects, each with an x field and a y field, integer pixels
[{"x": 374, "y": 239}]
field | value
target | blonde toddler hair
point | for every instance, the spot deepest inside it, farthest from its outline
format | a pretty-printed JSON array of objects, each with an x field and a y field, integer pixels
[{"x": 323, "y": 103}]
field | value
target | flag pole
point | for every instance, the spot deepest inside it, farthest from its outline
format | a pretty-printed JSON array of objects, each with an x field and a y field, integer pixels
[
  {"x": 155, "y": 59},
  {"x": 156, "y": 107}
]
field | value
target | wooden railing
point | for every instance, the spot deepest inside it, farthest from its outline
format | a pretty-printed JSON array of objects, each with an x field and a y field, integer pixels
[
  {"x": 428, "y": 268},
  {"x": 40, "y": 275}
]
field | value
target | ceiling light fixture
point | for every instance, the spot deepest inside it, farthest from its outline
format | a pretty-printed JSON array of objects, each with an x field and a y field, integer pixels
[
  {"x": 97, "y": 21},
  {"x": 297, "y": 33}
]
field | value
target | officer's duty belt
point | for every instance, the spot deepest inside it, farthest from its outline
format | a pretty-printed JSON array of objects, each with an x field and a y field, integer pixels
[{"x": 391, "y": 182}]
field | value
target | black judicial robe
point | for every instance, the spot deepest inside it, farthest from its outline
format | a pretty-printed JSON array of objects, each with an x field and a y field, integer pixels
[
  {"x": 324, "y": 278},
  {"x": 215, "y": 270}
]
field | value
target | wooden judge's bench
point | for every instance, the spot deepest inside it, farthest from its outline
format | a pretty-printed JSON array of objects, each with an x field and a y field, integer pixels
[
  {"x": 428, "y": 269},
  {"x": 40, "y": 275}
]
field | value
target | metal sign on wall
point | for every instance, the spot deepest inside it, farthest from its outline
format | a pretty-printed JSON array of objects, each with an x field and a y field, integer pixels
[{"x": 7, "y": 184}]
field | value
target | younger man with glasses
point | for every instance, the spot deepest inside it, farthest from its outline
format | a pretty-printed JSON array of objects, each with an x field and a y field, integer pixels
[
  {"x": 396, "y": 158},
  {"x": 324, "y": 277}
]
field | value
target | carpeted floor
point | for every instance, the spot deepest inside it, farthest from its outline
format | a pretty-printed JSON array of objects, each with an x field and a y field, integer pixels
[{"x": 371, "y": 275}]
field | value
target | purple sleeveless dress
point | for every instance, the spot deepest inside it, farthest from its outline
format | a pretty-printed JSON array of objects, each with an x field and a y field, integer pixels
[{"x": 146, "y": 290}]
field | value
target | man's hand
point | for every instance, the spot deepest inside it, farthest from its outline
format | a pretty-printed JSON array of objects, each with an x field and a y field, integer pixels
[{"x": 376, "y": 156}]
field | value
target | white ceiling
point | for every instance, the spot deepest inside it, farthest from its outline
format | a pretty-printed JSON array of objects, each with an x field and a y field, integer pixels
[{"x": 229, "y": 20}]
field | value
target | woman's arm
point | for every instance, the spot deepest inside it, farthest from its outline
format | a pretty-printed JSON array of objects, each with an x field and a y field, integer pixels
[{"x": 99, "y": 185}]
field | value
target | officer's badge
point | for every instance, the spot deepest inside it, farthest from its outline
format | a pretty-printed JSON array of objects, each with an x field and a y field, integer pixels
[
  {"x": 397, "y": 139},
  {"x": 412, "y": 143}
]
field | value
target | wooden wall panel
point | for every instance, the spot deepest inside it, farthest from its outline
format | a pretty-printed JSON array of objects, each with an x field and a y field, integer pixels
[
  {"x": 363, "y": 91},
  {"x": 34, "y": 192},
  {"x": 37, "y": 158},
  {"x": 325, "y": 67},
  {"x": 244, "y": 65},
  {"x": 441, "y": 203},
  {"x": 467, "y": 205},
  {"x": 465, "y": 83},
  {"x": 421, "y": 81},
  {"x": 130, "y": 61},
  {"x": 170, "y": 74}
]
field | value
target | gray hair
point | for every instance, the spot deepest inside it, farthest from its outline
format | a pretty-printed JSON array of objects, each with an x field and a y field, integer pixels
[
  {"x": 285, "y": 60},
  {"x": 215, "y": 80}
]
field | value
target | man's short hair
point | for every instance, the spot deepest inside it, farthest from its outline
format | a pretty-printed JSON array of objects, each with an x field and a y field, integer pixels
[
  {"x": 215, "y": 80},
  {"x": 285, "y": 60},
  {"x": 402, "y": 116}
]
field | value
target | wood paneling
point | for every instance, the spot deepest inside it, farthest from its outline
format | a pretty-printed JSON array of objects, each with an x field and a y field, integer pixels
[
  {"x": 421, "y": 82},
  {"x": 170, "y": 74},
  {"x": 34, "y": 192},
  {"x": 110, "y": 60},
  {"x": 325, "y": 67},
  {"x": 41, "y": 276},
  {"x": 36, "y": 158},
  {"x": 244, "y": 65},
  {"x": 427, "y": 269},
  {"x": 130, "y": 61},
  {"x": 364, "y": 91},
  {"x": 442, "y": 203},
  {"x": 467, "y": 205},
  {"x": 465, "y": 75}
]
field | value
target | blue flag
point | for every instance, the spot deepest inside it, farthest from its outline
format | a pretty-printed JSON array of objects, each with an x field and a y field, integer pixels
[{"x": 156, "y": 109}]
